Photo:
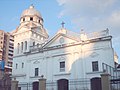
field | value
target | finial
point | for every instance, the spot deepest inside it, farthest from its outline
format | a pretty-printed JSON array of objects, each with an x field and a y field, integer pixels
[
  {"x": 31, "y": 6},
  {"x": 82, "y": 31},
  {"x": 42, "y": 76},
  {"x": 107, "y": 29},
  {"x": 62, "y": 24},
  {"x": 14, "y": 78}
]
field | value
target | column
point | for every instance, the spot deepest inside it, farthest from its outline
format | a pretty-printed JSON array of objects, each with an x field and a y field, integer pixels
[
  {"x": 42, "y": 84},
  {"x": 14, "y": 85},
  {"x": 105, "y": 81}
]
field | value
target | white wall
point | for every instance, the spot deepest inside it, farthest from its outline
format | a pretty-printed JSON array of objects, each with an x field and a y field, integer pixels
[{"x": 78, "y": 59}]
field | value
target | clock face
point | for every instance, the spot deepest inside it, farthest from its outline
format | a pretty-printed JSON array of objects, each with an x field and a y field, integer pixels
[{"x": 61, "y": 40}]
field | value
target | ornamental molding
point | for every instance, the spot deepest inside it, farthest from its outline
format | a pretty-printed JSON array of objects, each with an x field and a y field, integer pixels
[
  {"x": 94, "y": 54},
  {"x": 36, "y": 62}
]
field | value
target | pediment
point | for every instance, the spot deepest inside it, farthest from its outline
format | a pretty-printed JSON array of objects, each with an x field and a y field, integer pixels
[
  {"x": 60, "y": 39},
  {"x": 26, "y": 27},
  {"x": 23, "y": 29}
]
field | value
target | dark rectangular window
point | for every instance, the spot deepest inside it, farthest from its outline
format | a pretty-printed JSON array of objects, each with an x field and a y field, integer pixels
[
  {"x": 10, "y": 54},
  {"x": 36, "y": 71},
  {"x": 95, "y": 66},
  {"x": 62, "y": 66},
  {"x": 12, "y": 40}
]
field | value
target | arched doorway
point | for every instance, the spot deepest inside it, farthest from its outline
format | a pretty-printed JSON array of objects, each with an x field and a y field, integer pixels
[
  {"x": 96, "y": 83},
  {"x": 36, "y": 85},
  {"x": 63, "y": 84}
]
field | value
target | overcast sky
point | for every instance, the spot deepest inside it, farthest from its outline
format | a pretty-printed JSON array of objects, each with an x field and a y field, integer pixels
[{"x": 90, "y": 15}]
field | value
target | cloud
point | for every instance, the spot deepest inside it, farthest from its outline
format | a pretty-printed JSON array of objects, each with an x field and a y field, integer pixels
[
  {"x": 85, "y": 7},
  {"x": 114, "y": 19},
  {"x": 61, "y": 14},
  {"x": 61, "y": 2},
  {"x": 94, "y": 15}
]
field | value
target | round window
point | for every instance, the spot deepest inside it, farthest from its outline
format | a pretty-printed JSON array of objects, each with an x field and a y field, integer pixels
[{"x": 61, "y": 40}]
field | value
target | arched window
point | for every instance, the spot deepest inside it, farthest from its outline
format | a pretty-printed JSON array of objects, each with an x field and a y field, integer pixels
[
  {"x": 23, "y": 19},
  {"x": 39, "y": 21},
  {"x": 18, "y": 47},
  {"x": 31, "y": 18},
  {"x": 33, "y": 43},
  {"x": 22, "y": 65},
  {"x": 25, "y": 45},
  {"x": 16, "y": 65},
  {"x": 21, "y": 46},
  {"x": 38, "y": 37},
  {"x": 41, "y": 38}
]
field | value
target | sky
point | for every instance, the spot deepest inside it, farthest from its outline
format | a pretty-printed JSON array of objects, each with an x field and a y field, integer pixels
[{"x": 89, "y": 15}]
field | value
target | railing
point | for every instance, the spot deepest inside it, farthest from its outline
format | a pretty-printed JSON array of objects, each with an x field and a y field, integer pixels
[
  {"x": 5, "y": 87},
  {"x": 114, "y": 72},
  {"x": 114, "y": 76},
  {"x": 108, "y": 69},
  {"x": 98, "y": 34},
  {"x": 50, "y": 85},
  {"x": 25, "y": 86},
  {"x": 78, "y": 84}
]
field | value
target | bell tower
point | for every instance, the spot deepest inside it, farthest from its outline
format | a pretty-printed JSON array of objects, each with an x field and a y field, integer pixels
[{"x": 30, "y": 32}]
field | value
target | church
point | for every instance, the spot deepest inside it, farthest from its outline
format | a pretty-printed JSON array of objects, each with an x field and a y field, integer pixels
[{"x": 67, "y": 55}]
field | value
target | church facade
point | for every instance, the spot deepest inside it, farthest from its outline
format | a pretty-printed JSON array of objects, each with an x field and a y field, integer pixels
[{"x": 67, "y": 55}]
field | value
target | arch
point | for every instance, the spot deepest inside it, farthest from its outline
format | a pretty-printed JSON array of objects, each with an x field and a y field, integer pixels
[
  {"x": 23, "y": 19},
  {"x": 25, "y": 45},
  {"x": 31, "y": 18},
  {"x": 41, "y": 38},
  {"x": 39, "y": 20},
  {"x": 96, "y": 83},
  {"x": 63, "y": 84},
  {"x": 38, "y": 37},
  {"x": 35, "y": 85}
]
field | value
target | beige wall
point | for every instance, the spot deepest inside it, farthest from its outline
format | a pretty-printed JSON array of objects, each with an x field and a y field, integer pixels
[{"x": 6, "y": 49}]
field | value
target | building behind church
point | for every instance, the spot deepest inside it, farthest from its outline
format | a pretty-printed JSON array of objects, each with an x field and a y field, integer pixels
[
  {"x": 6, "y": 53},
  {"x": 67, "y": 55}
]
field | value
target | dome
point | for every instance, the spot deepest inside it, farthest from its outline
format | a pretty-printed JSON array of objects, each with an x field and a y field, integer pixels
[{"x": 31, "y": 11}]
